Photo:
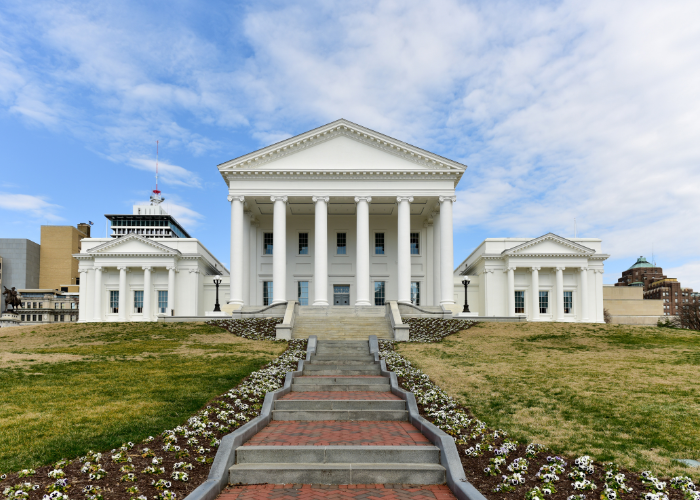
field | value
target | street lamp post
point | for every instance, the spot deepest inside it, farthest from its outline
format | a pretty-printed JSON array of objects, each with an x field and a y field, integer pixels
[
  {"x": 217, "y": 282},
  {"x": 465, "y": 282}
]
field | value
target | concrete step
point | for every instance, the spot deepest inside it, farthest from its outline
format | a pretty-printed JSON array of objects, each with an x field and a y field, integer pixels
[
  {"x": 340, "y": 404},
  {"x": 331, "y": 370},
  {"x": 331, "y": 379},
  {"x": 334, "y": 387},
  {"x": 341, "y": 415},
  {"x": 336, "y": 473},
  {"x": 338, "y": 454},
  {"x": 317, "y": 360}
]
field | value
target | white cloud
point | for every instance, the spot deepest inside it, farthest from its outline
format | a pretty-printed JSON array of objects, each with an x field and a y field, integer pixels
[
  {"x": 168, "y": 173},
  {"x": 688, "y": 274},
  {"x": 183, "y": 214},
  {"x": 27, "y": 203}
]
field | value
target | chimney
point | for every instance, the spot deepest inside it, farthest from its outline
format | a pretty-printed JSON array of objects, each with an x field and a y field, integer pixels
[{"x": 85, "y": 228}]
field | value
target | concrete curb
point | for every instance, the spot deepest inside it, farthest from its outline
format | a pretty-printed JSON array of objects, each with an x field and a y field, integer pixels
[
  {"x": 449, "y": 455},
  {"x": 226, "y": 454}
]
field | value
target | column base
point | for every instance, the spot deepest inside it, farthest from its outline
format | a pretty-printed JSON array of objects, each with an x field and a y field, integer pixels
[
  {"x": 363, "y": 303},
  {"x": 322, "y": 303},
  {"x": 275, "y": 302}
]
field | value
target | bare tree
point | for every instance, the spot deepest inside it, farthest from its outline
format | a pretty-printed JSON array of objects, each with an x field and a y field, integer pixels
[
  {"x": 607, "y": 317},
  {"x": 688, "y": 317}
]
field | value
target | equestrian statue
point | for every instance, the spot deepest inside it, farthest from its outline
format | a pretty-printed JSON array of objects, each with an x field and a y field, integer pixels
[{"x": 11, "y": 299}]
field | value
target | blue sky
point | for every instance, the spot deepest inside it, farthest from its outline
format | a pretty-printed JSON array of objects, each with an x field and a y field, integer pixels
[{"x": 585, "y": 109}]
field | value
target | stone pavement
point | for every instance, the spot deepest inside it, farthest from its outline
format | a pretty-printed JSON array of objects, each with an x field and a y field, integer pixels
[{"x": 338, "y": 492}]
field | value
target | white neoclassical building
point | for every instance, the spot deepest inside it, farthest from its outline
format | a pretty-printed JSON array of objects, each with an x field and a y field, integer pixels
[
  {"x": 549, "y": 278},
  {"x": 341, "y": 215}
]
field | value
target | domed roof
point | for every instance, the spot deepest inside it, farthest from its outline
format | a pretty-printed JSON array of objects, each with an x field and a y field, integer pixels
[{"x": 641, "y": 262}]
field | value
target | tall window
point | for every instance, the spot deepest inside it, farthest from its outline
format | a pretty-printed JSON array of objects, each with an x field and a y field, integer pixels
[
  {"x": 341, "y": 242},
  {"x": 33, "y": 317},
  {"x": 114, "y": 301},
  {"x": 63, "y": 317},
  {"x": 519, "y": 302},
  {"x": 267, "y": 292},
  {"x": 23, "y": 317},
  {"x": 568, "y": 302},
  {"x": 415, "y": 243},
  {"x": 40, "y": 316},
  {"x": 138, "y": 301},
  {"x": 303, "y": 243},
  {"x": 544, "y": 302},
  {"x": 162, "y": 301},
  {"x": 303, "y": 292},
  {"x": 55, "y": 305},
  {"x": 415, "y": 292},
  {"x": 267, "y": 243},
  {"x": 378, "y": 293},
  {"x": 378, "y": 243}
]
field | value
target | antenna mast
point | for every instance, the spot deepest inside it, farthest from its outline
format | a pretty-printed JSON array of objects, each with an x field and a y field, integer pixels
[
  {"x": 574, "y": 227},
  {"x": 156, "y": 198}
]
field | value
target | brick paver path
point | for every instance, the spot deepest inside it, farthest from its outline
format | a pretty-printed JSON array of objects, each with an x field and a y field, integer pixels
[
  {"x": 331, "y": 432},
  {"x": 341, "y": 396},
  {"x": 339, "y": 492}
]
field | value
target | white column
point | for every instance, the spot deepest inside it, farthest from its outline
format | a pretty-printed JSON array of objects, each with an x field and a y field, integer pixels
[
  {"x": 599, "y": 295},
  {"x": 446, "y": 250},
  {"x": 254, "y": 254},
  {"x": 584, "y": 294},
  {"x": 560, "y": 293},
  {"x": 82, "y": 296},
  {"x": 171, "y": 290},
  {"x": 535, "y": 316},
  {"x": 147, "y": 307},
  {"x": 511, "y": 291},
  {"x": 485, "y": 276},
  {"x": 362, "y": 252},
  {"x": 236, "y": 294},
  {"x": 195, "y": 288},
  {"x": 320, "y": 250},
  {"x": 122, "y": 293},
  {"x": 436, "y": 259},
  {"x": 246, "y": 258},
  {"x": 279, "y": 249},
  {"x": 97, "y": 308},
  {"x": 403, "y": 249},
  {"x": 429, "y": 271}
]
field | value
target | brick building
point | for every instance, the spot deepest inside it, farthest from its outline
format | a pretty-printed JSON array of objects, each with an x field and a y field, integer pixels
[{"x": 658, "y": 286}]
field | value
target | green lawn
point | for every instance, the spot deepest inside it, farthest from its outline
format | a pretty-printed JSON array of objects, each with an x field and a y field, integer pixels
[
  {"x": 70, "y": 388},
  {"x": 628, "y": 394}
]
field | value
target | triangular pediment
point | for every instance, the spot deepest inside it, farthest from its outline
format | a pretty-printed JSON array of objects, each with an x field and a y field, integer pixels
[
  {"x": 133, "y": 244},
  {"x": 549, "y": 244},
  {"x": 342, "y": 146}
]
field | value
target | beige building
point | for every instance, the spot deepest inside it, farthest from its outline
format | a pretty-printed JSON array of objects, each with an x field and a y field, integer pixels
[
  {"x": 47, "y": 306},
  {"x": 627, "y": 306},
  {"x": 59, "y": 269}
]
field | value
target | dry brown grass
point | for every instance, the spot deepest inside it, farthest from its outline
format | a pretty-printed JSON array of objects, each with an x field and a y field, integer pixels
[{"x": 628, "y": 394}]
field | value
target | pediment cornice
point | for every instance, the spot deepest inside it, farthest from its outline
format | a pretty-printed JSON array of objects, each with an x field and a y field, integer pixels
[
  {"x": 576, "y": 248},
  {"x": 430, "y": 161},
  {"x": 112, "y": 247}
]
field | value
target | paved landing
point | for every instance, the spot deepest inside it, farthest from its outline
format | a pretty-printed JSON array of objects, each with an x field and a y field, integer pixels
[
  {"x": 341, "y": 396},
  {"x": 337, "y": 492},
  {"x": 330, "y": 433}
]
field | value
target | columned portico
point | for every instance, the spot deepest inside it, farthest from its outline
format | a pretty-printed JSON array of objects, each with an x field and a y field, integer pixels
[
  {"x": 535, "y": 316},
  {"x": 279, "y": 249},
  {"x": 404, "y": 249},
  {"x": 237, "y": 245},
  {"x": 446, "y": 250},
  {"x": 321, "y": 250},
  {"x": 122, "y": 292},
  {"x": 147, "y": 293},
  {"x": 363, "y": 251}
]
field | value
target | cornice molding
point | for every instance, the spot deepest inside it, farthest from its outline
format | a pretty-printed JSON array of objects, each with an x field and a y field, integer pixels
[
  {"x": 234, "y": 176},
  {"x": 99, "y": 249},
  {"x": 580, "y": 249},
  {"x": 348, "y": 129}
]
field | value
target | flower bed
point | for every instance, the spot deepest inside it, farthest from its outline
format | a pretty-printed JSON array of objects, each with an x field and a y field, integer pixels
[
  {"x": 503, "y": 469},
  {"x": 434, "y": 330},
  {"x": 165, "y": 467},
  {"x": 252, "y": 328}
]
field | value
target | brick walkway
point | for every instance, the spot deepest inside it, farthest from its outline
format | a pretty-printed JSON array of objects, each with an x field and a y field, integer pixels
[
  {"x": 341, "y": 492},
  {"x": 329, "y": 433},
  {"x": 341, "y": 396}
]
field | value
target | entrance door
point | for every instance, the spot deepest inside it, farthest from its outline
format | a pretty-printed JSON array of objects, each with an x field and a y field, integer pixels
[{"x": 341, "y": 295}]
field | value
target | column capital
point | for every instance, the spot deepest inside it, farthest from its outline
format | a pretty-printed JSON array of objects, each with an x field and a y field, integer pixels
[
  {"x": 122, "y": 268},
  {"x": 320, "y": 198},
  {"x": 584, "y": 268},
  {"x": 535, "y": 268},
  {"x": 278, "y": 198},
  {"x": 98, "y": 268},
  {"x": 147, "y": 268},
  {"x": 194, "y": 271},
  {"x": 489, "y": 270},
  {"x": 237, "y": 197},
  {"x": 171, "y": 268},
  {"x": 601, "y": 271},
  {"x": 511, "y": 268},
  {"x": 445, "y": 198},
  {"x": 368, "y": 199},
  {"x": 560, "y": 268},
  {"x": 409, "y": 199}
]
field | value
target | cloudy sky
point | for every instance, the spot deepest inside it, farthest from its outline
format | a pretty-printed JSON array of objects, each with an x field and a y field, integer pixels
[{"x": 576, "y": 109}]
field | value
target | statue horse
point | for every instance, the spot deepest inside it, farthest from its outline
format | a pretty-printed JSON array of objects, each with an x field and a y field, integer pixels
[{"x": 11, "y": 299}]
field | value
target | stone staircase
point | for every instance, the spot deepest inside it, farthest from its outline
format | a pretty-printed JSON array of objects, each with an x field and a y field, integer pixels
[
  {"x": 342, "y": 322},
  {"x": 339, "y": 425}
]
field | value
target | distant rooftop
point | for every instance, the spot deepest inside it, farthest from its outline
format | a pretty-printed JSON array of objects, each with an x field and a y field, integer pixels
[
  {"x": 641, "y": 262},
  {"x": 151, "y": 221}
]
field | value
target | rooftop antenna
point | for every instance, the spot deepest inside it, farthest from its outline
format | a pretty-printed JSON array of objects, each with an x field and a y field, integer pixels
[
  {"x": 156, "y": 198},
  {"x": 574, "y": 227},
  {"x": 652, "y": 255}
]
